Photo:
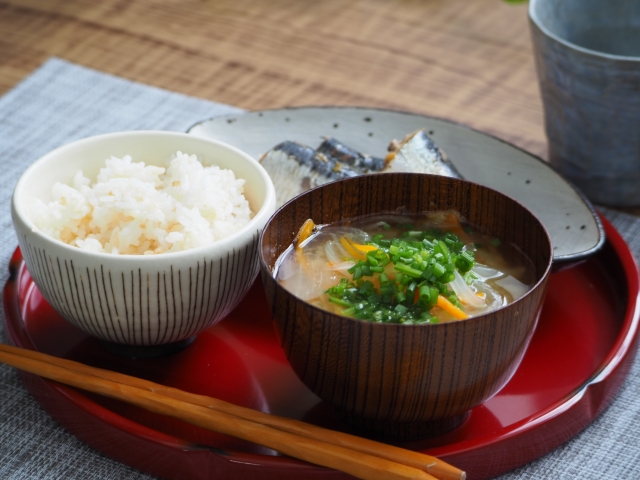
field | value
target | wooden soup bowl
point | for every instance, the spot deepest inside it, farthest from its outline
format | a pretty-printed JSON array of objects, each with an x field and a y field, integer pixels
[{"x": 405, "y": 381}]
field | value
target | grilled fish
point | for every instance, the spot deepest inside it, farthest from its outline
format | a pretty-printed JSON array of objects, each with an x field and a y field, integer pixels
[
  {"x": 296, "y": 168},
  {"x": 418, "y": 153},
  {"x": 359, "y": 161}
]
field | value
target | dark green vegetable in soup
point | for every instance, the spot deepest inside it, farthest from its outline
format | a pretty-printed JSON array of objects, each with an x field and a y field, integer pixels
[{"x": 402, "y": 270}]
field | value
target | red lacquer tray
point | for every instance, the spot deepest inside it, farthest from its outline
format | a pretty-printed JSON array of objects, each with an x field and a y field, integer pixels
[{"x": 580, "y": 354}]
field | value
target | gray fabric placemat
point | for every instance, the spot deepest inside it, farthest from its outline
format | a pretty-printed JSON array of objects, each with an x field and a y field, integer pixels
[{"x": 61, "y": 102}]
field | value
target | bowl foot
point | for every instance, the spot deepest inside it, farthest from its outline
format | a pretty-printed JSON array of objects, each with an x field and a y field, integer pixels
[
  {"x": 148, "y": 351},
  {"x": 403, "y": 430}
]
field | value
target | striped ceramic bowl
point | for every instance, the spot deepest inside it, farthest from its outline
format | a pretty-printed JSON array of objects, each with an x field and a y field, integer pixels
[{"x": 141, "y": 300}]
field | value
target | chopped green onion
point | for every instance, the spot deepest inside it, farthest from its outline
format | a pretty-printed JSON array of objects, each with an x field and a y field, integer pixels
[
  {"x": 406, "y": 269},
  {"x": 401, "y": 308},
  {"x": 339, "y": 301},
  {"x": 438, "y": 270},
  {"x": 423, "y": 263}
]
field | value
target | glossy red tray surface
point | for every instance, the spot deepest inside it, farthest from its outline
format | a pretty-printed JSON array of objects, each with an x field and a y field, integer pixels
[{"x": 579, "y": 356}]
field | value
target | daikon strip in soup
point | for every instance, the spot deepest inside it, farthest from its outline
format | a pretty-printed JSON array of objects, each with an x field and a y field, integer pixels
[{"x": 397, "y": 269}]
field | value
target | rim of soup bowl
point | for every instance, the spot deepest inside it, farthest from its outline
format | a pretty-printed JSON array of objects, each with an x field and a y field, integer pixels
[
  {"x": 20, "y": 214},
  {"x": 542, "y": 278}
]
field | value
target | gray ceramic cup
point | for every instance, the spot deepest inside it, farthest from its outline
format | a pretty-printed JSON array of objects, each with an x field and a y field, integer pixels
[{"x": 587, "y": 56}]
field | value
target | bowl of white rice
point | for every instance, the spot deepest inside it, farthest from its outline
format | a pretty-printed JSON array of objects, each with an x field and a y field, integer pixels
[{"x": 144, "y": 238}]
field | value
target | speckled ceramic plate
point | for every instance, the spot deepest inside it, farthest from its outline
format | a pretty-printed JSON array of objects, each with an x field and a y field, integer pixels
[{"x": 575, "y": 230}]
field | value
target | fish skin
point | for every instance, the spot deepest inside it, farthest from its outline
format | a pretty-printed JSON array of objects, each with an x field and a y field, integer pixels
[
  {"x": 359, "y": 161},
  {"x": 332, "y": 168},
  {"x": 301, "y": 153},
  {"x": 296, "y": 168},
  {"x": 291, "y": 178},
  {"x": 418, "y": 153}
]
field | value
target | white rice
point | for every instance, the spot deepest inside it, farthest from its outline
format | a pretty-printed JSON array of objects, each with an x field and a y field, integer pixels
[{"x": 135, "y": 208}]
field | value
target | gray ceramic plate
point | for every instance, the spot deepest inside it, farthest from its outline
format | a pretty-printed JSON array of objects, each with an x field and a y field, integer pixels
[{"x": 575, "y": 229}]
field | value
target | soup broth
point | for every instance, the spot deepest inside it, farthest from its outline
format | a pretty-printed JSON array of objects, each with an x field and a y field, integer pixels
[{"x": 393, "y": 268}]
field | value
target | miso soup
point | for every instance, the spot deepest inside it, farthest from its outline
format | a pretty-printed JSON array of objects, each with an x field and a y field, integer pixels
[{"x": 413, "y": 270}]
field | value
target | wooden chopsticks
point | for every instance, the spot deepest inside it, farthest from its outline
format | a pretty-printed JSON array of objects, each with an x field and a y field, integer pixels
[{"x": 357, "y": 456}]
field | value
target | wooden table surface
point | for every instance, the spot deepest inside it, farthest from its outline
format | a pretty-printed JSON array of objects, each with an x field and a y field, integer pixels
[{"x": 467, "y": 61}]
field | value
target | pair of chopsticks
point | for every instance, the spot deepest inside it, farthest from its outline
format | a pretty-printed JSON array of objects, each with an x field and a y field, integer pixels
[{"x": 357, "y": 456}]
